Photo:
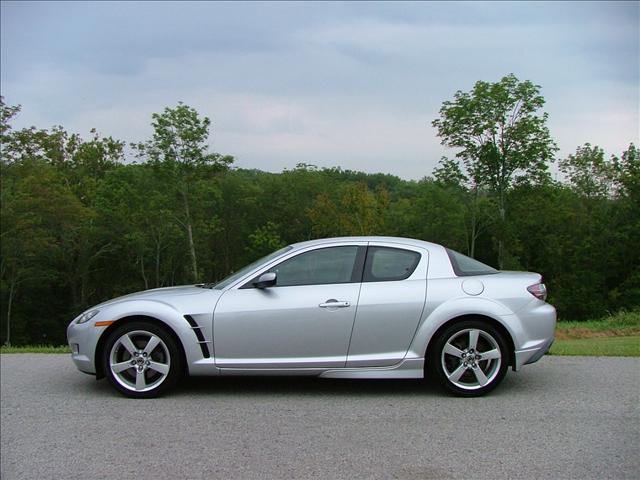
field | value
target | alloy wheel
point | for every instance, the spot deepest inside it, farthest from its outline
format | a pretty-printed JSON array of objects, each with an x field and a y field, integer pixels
[
  {"x": 139, "y": 361},
  {"x": 471, "y": 359}
]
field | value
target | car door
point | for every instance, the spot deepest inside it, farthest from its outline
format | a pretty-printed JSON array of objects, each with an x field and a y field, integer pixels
[
  {"x": 304, "y": 321},
  {"x": 392, "y": 298}
]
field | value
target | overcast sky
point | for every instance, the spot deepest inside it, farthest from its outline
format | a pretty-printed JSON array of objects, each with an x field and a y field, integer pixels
[{"x": 354, "y": 85}]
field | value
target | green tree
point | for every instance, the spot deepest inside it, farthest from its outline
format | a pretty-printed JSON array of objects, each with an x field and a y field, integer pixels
[
  {"x": 136, "y": 216},
  {"x": 179, "y": 149},
  {"x": 473, "y": 197},
  {"x": 290, "y": 195},
  {"x": 264, "y": 240},
  {"x": 358, "y": 211},
  {"x": 81, "y": 164},
  {"x": 7, "y": 112},
  {"x": 627, "y": 172},
  {"x": 40, "y": 214},
  {"x": 589, "y": 172},
  {"x": 501, "y": 135},
  {"x": 624, "y": 254}
]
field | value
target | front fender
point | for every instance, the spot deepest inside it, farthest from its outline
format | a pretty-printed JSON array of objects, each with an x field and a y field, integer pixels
[
  {"x": 437, "y": 314},
  {"x": 163, "y": 312}
]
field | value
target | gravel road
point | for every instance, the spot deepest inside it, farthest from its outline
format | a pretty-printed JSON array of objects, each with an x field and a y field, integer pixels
[{"x": 565, "y": 417}]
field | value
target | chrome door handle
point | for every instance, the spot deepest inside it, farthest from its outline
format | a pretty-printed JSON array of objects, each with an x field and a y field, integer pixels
[{"x": 334, "y": 304}]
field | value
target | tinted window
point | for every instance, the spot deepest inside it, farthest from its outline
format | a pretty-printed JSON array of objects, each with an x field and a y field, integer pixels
[
  {"x": 465, "y": 266},
  {"x": 317, "y": 267},
  {"x": 385, "y": 264}
]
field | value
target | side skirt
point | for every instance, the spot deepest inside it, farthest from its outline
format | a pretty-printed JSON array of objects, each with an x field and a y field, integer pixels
[{"x": 408, "y": 368}]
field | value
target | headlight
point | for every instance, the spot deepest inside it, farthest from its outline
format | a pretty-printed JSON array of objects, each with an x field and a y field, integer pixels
[{"x": 86, "y": 316}]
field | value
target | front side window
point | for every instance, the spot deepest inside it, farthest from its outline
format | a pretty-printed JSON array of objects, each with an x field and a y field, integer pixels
[
  {"x": 319, "y": 267},
  {"x": 243, "y": 271},
  {"x": 385, "y": 264}
]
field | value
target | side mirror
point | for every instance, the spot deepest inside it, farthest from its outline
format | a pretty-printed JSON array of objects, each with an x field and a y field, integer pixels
[{"x": 266, "y": 280}]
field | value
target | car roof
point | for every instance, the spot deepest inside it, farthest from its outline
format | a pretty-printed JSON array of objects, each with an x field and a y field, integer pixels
[{"x": 371, "y": 238}]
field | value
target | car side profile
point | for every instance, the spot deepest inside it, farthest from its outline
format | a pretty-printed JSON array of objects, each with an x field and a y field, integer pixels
[{"x": 349, "y": 307}]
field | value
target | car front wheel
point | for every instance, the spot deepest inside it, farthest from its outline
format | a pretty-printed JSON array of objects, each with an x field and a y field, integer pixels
[
  {"x": 141, "y": 359},
  {"x": 470, "y": 358}
]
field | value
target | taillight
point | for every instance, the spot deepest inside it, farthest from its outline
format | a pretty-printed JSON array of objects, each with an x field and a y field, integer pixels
[{"x": 539, "y": 290}]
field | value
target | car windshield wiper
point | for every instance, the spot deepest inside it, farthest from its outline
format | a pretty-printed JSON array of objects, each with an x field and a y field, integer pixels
[{"x": 205, "y": 285}]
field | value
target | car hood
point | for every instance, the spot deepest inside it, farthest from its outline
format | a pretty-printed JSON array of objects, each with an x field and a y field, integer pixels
[{"x": 170, "y": 295}]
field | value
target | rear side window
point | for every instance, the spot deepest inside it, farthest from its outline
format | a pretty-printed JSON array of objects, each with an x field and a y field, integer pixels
[
  {"x": 464, "y": 266},
  {"x": 385, "y": 264}
]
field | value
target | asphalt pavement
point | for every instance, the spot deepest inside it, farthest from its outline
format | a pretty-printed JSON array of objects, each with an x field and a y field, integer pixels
[{"x": 562, "y": 418}]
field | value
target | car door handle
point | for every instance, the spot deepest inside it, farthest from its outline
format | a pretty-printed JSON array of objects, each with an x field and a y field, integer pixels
[{"x": 334, "y": 304}]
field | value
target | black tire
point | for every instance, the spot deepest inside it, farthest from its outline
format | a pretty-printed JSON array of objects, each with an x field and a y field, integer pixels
[
  {"x": 461, "y": 369},
  {"x": 142, "y": 374}
]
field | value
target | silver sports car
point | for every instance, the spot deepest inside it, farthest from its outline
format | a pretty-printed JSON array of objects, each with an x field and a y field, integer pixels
[{"x": 351, "y": 307}]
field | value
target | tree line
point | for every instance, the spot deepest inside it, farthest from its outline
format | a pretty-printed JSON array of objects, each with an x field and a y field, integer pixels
[{"x": 87, "y": 219}]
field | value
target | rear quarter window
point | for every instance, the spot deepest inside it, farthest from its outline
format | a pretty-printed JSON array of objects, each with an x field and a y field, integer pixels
[
  {"x": 386, "y": 264},
  {"x": 464, "y": 266}
]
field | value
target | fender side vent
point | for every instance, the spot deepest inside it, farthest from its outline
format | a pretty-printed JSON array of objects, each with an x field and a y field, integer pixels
[{"x": 197, "y": 329}]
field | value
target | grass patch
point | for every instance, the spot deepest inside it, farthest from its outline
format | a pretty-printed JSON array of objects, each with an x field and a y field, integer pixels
[
  {"x": 617, "y": 346},
  {"x": 36, "y": 349},
  {"x": 618, "y": 325},
  {"x": 616, "y": 335}
]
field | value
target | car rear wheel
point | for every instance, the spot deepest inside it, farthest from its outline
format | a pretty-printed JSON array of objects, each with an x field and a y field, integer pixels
[
  {"x": 141, "y": 359},
  {"x": 470, "y": 358}
]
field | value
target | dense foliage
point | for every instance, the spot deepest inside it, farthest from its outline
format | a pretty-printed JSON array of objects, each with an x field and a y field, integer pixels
[{"x": 87, "y": 219}]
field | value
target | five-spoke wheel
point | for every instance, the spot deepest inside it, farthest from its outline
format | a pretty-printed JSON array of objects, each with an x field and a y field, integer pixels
[
  {"x": 470, "y": 358},
  {"x": 141, "y": 359}
]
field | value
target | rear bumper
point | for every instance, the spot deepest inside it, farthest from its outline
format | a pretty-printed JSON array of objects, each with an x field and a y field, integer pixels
[
  {"x": 531, "y": 355},
  {"x": 535, "y": 332}
]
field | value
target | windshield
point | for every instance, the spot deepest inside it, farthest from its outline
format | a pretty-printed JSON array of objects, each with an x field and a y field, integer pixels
[
  {"x": 465, "y": 266},
  {"x": 243, "y": 271}
]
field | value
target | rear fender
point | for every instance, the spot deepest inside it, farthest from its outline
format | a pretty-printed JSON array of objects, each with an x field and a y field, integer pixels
[{"x": 457, "y": 307}]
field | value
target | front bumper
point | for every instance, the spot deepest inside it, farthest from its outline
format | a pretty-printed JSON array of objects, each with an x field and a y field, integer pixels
[{"x": 85, "y": 336}]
